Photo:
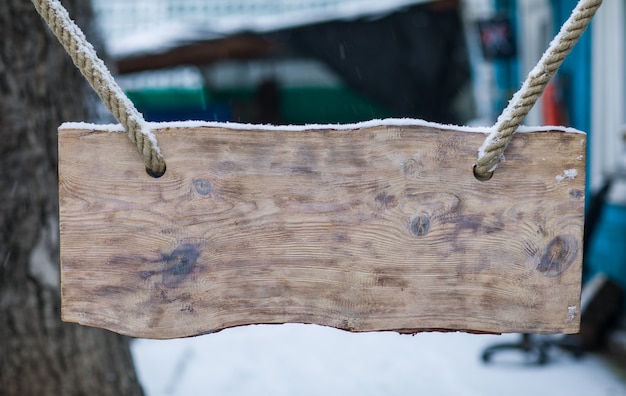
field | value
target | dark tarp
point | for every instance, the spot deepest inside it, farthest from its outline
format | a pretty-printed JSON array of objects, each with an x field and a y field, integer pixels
[{"x": 414, "y": 61}]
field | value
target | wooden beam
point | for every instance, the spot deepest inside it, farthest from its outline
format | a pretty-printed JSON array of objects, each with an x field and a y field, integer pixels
[
  {"x": 239, "y": 47},
  {"x": 371, "y": 229}
]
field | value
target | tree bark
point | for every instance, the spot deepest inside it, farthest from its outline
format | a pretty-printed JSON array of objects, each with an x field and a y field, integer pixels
[{"x": 39, "y": 89}]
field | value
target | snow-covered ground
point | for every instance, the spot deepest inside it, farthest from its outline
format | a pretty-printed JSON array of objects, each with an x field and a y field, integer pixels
[{"x": 312, "y": 360}]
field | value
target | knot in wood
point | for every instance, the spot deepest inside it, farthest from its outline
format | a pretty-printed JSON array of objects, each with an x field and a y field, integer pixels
[{"x": 420, "y": 225}]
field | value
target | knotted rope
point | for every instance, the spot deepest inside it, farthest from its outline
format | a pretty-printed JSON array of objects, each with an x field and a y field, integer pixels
[
  {"x": 93, "y": 68},
  {"x": 492, "y": 150}
]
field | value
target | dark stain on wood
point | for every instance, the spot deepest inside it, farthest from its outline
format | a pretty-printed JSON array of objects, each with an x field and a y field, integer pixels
[
  {"x": 187, "y": 308},
  {"x": 128, "y": 260},
  {"x": 476, "y": 223},
  {"x": 163, "y": 295},
  {"x": 307, "y": 170},
  {"x": 111, "y": 290},
  {"x": 559, "y": 256},
  {"x": 471, "y": 223},
  {"x": 575, "y": 194},
  {"x": 147, "y": 274},
  {"x": 384, "y": 278},
  {"x": 179, "y": 264},
  {"x": 341, "y": 237},
  {"x": 386, "y": 201}
]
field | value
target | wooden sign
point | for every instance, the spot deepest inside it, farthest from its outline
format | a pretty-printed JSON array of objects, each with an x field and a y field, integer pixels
[{"x": 368, "y": 229}]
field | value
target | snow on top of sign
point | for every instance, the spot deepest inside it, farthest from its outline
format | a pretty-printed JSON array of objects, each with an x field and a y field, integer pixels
[
  {"x": 568, "y": 174},
  {"x": 392, "y": 122}
]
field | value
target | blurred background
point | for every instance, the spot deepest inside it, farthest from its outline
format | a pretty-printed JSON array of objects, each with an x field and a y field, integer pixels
[{"x": 332, "y": 61}]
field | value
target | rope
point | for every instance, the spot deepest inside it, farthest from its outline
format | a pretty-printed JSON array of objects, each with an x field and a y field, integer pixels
[
  {"x": 99, "y": 77},
  {"x": 495, "y": 144}
]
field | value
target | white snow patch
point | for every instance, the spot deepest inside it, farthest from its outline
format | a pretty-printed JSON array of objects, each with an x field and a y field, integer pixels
[
  {"x": 568, "y": 174},
  {"x": 307, "y": 360},
  {"x": 40, "y": 263},
  {"x": 397, "y": 122},
  {"x": 572, "y": 311}
]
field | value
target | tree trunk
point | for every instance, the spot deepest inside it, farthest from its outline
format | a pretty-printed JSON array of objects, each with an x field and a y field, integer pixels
[{"x": 39, "y": 89}]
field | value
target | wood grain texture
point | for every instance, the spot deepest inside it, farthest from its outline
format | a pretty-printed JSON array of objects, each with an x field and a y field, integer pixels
[{"x": 383, "y": 228}]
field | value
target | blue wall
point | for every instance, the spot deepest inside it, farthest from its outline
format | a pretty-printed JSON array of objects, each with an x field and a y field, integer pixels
[
  {"x": 576, "y": 70},
  {"x": 607, "y": 250}
]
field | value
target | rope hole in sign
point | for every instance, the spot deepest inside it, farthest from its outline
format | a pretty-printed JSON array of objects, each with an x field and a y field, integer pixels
[
  {"x": 138, "y": 131},
  {"x": 154, "y": 174},
  {"x": 482, "y": 177}
]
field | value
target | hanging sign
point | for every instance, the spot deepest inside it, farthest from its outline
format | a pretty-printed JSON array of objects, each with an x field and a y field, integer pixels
[{"x": 370, "y": 227}]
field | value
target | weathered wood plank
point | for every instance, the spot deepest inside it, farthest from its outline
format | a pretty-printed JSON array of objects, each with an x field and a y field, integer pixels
[{"x": 381, "y": 228}]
